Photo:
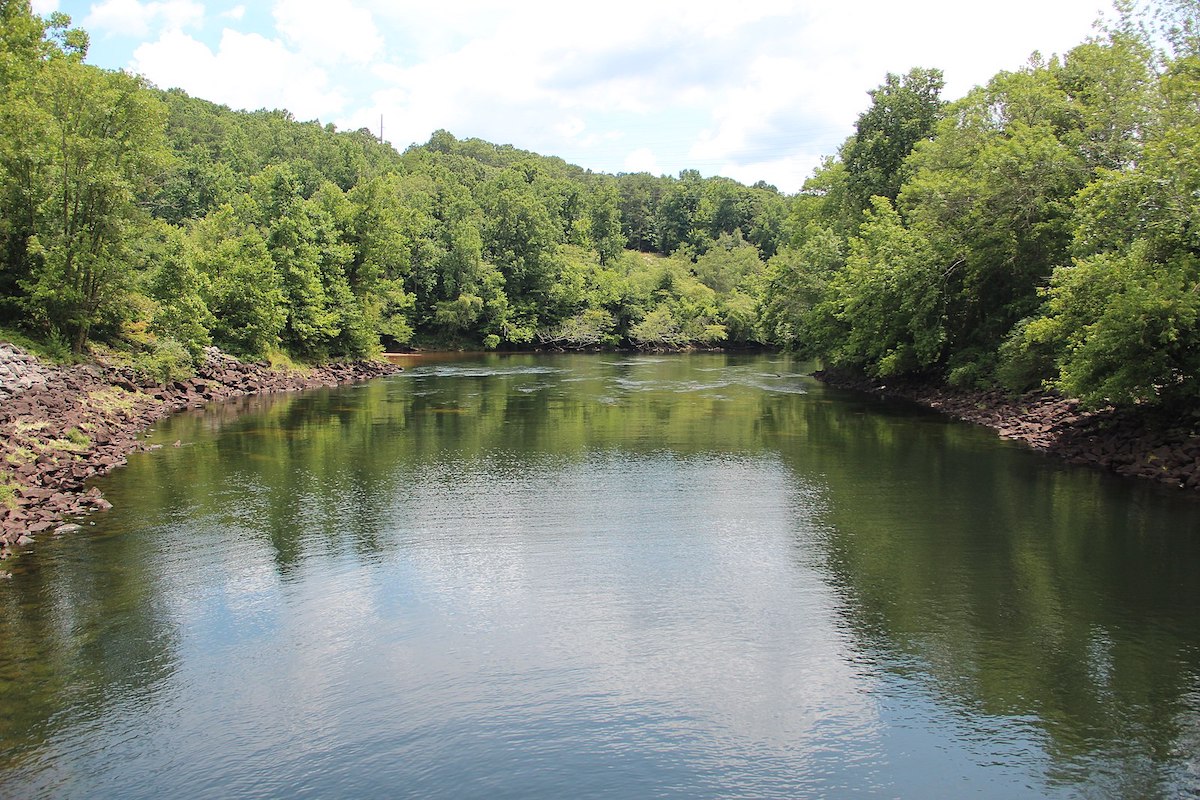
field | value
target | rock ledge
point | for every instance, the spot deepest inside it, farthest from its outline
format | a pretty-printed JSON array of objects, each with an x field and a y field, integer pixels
[{"x": 60, "y": 426}]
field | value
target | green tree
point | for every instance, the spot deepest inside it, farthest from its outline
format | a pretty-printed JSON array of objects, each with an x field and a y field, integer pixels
[
  {"x": 604, "y": 220},
  {"x": 794, "y": 285},
  {"x": 1121, "y": 323},
  {"x": 730, "y": 263},
  {"x": 677, "y": 215},
  {"x": 244, "y": 290},
  {"x": 887, "y": 298},
  {"x": 640, "y": 194},
  {"x": 103, "y": 142},
  {"x": 179, "y": 288},
  {"x": 904, "y": 111},
  {"x": 992, "y": 197}
]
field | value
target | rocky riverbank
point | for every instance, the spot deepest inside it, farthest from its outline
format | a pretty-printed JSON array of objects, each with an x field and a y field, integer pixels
[
  {"x": 61, "y": 426},
  {"x": 1163, "y": 449}
]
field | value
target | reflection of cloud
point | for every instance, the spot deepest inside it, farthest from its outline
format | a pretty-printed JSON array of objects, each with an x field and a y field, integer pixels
[{"x": 667, "y": 586}]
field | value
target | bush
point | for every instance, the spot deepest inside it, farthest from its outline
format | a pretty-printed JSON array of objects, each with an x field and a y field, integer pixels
[{"x": 168, "y": 360}]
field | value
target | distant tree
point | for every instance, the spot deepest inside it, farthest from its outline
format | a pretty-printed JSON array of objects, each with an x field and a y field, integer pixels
[
  {"x": 677, "y": 215},
  {"x": 640, "y": 195}
]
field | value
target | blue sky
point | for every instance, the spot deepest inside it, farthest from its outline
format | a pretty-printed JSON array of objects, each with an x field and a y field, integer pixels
[{"x": 757, "y": 89}]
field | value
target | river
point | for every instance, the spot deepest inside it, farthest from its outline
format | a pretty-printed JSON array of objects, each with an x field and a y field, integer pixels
[{"x": 603, "y": 576}]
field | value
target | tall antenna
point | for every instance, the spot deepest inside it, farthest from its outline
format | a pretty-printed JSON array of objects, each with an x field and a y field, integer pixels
[{"x": 381, "y": 128}]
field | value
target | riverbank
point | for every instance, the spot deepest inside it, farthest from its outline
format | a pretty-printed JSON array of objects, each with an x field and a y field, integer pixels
[
  {"x": 1144, "y": 446},
  {"x": 61, "y": 426}
]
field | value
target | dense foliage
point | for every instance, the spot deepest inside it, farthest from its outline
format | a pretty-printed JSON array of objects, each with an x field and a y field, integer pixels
[
  {"x": 167, "y": 223},
  {"x": 1042, "y": 230}
]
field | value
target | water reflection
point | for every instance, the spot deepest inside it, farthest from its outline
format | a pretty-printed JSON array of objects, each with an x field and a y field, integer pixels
[{"x": 524, "y": 576}]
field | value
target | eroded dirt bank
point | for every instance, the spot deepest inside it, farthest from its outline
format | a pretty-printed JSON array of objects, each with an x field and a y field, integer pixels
[
  {"x": 61, "y": 426},
  {"x": 1149, "y": 446}
]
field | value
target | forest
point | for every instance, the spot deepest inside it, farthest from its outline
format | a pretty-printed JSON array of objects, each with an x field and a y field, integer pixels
[{"x": 1041, "y": 231}]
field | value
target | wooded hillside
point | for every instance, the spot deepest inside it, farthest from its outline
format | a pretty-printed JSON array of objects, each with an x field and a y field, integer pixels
[{"x": 1042, "y": 230}]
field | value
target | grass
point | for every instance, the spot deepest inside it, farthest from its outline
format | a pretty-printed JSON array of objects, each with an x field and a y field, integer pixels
[
  {"x": 282, "y": 362},
  {"x": 55, "y": 350},
  {"x": 20, "y": 455},
  {"x": 112, "y": 399},
  {"x": 78, "y": 437},
  {"x": 8, "y": 491},
  {"x": 74, "y": 441}
]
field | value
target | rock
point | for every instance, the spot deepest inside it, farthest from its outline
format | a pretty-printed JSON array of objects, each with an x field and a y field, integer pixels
[{"x": 69, "y": 527}]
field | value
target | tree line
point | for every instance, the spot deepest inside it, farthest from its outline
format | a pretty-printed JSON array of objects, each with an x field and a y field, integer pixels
[
  {"x": 164, "y": 221},
  {"x": 1040, "y": 231}
]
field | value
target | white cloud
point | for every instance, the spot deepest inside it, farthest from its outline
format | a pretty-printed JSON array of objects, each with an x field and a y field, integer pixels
[
  {"x": 773, "y": 87},
  {"x": 137, "y": 19},
  {"x": 642, "y": 160},
  {"x": 570, "y": 127},
  {"x": 44, "y": 7},
  {"x": 329, "y": 31},
  {"x": 668, "y": 85},
  {"x": 247, "y": 71}
]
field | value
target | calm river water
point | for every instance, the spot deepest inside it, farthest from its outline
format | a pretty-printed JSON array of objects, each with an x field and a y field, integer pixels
[{"x": 604, "y": 576}]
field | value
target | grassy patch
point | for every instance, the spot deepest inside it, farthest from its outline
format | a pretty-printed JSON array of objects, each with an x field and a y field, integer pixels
[
  {"x": 55, "y": 349},
  {"x": 8, "y": 491},
  {"x": 282, "y": 362},
  {"x": 113, "y": 399},
  {"x": 24, "y": 428},
  {"x": 73, "y": 441},
  {"x": 20, "y": 455}
]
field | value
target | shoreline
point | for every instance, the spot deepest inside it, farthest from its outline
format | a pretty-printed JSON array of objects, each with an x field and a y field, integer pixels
[
  {"x": 62, "y": 426},
  {"x": 1131, "y": 445}
]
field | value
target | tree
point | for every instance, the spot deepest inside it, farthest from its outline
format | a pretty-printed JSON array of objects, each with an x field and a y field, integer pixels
[
  {"x": 991, "y": 194},
  {"x": 640, "y": 195},
  {"x": 676, "y": 218},
  {"x": 604, "y": 220},
  {"x": 1122, "y": 321},
  {"x": 103, "y": 142},
  {"x": 888, "y": 298},
  {"x": 904, "y": 111},
  {"x": 659, "y": 328},
  {"x": 794, "y": 286},
  {"x": 730, "y": 263},
  {"x": 179, "y": 289}
]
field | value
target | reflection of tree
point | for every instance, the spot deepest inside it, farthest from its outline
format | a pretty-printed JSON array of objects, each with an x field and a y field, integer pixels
[
  {"x": 84, "y": 639},
  {"x": 1024, "y": 591}
]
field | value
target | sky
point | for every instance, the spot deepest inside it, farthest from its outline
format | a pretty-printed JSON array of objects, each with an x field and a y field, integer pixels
[{"x": 750, "y": 89}]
